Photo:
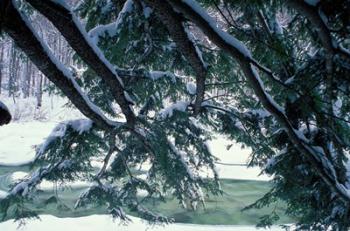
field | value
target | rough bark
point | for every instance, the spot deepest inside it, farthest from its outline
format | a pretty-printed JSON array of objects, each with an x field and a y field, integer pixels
[{"x": 63, "y": 20}]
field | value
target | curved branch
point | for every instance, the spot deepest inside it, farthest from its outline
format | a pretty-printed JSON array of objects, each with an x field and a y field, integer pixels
[
  {"x": 68, "y": 24},
  {"x": 311, "y": 12},
  {"x": 174, "y": 22},
  {"x": 19, "y": 29},
  {"x": 313, "y": 16},
  {"x": 193, "y": 11}
]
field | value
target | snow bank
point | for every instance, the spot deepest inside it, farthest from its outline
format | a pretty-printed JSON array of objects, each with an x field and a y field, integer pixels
[
  {"x": 105, "y": 223},
  {"x": 233, "y": 159},
  {"x": 53, "y": 108},
  {"x": 17, "y": 140}
]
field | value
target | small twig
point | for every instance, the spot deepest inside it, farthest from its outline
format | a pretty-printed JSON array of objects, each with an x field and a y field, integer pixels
[{"x": 112, "y": 149}]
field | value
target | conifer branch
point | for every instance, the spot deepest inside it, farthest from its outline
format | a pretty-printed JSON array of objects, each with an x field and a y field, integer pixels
[
  {"x": 68, "y": 24},
  {"x": 237, "y": 50},
  {"x": 18, "y": 27},
  {"x": 175, "y": 24}
]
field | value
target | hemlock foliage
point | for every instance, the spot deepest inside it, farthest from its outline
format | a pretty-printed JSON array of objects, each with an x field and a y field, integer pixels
[{"x": 296, "y": 119}]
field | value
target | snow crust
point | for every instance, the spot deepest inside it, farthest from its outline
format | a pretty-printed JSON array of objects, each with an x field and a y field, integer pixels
[{"x": 81, "y": 125}]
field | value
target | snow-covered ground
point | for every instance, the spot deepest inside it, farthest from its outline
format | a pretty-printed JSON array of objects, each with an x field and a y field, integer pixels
[
  {"x": 232, "y": 158},
  {"x": 16, "y": 147},
  {"x": 17, "y": 140},
  {"x": 105, "y": 223}
]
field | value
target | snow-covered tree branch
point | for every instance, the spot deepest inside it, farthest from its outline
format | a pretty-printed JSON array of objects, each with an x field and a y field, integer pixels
[
  {"x": 230, "y": 44},
  {"x": 70, "y": 27},
  {"x": 157, "y": 80},
  {"x": 18, "y": 27},
  {"x": 5, "y": 116},
  {"x": 176, "y": 26}
]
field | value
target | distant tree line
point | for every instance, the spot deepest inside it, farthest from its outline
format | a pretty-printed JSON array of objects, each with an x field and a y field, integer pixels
[{"x": 19, "y": 77}]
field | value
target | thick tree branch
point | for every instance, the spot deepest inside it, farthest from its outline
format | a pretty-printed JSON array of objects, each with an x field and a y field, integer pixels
[
  {"x": 236, "y": 49},
  {"x": 5, "y": 116},
  {"x": 311, "y": 12},
  {"x": 67, "y": 23},
  {"x": 313, "y": 16},
  {"x": 26, "y": 39},
  {"x": 174, "y": 22}
]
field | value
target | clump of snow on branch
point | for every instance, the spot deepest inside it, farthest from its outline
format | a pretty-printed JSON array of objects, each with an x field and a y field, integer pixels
[
  {"x": 147, "y": 11},
  {"x": 224, "y": 35},
  {"x": 3, "y": 194},
  {"x": 191, "y": 37},
  {"x": 112, "y": 29},
  {"x": 191, "y": 88},
  {"x": 169, "y": 111},
  {"x": 80, "y": 126},
  {"x": 155, "y": 75}
]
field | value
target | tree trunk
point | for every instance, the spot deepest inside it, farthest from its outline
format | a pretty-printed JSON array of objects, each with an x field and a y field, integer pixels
[
  {"x": 39, "y": 93},
  {"x": 1, "y": 65}
]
